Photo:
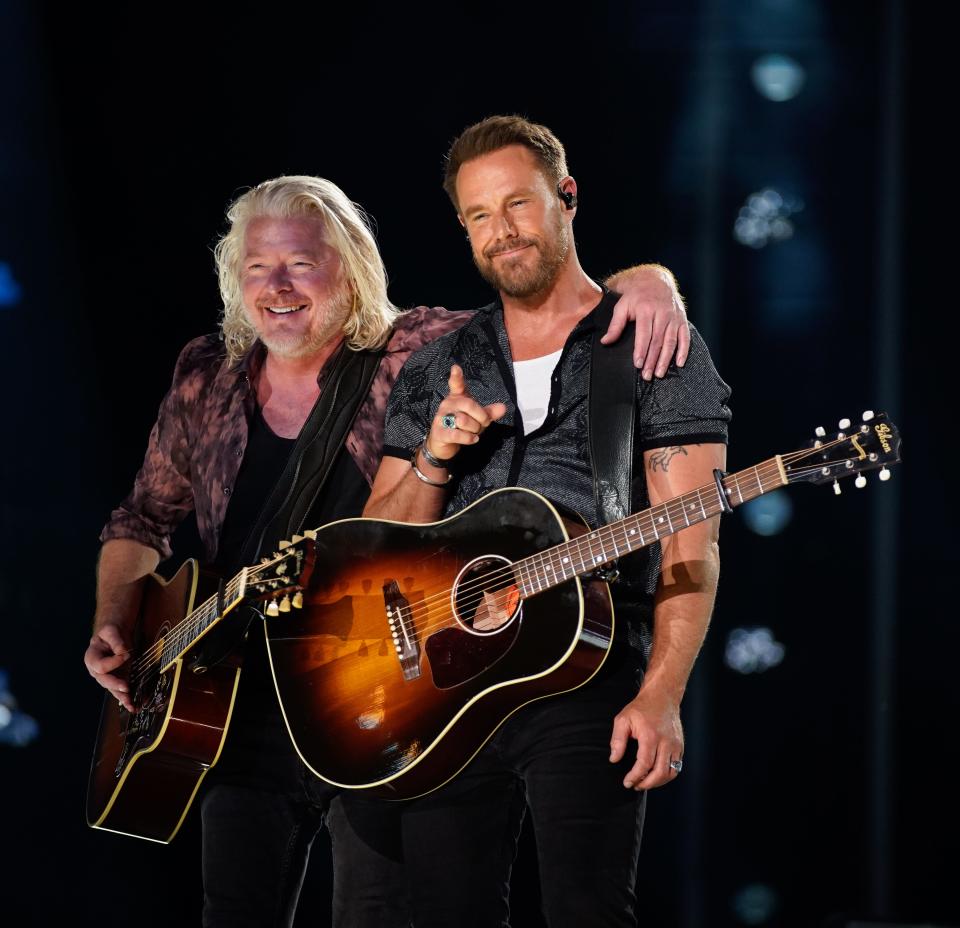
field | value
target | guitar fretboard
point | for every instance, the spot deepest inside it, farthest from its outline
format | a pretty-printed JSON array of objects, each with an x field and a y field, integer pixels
[
  {"x": 594, "y": 549},
  {"x": 184, "y": 634}
]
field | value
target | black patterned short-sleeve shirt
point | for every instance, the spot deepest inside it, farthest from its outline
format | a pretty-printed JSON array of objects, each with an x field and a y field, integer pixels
[{"x": 687, "y": 406}]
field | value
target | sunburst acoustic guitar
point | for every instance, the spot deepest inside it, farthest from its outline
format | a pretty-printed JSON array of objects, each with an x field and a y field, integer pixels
[{"x": 415, "y": 642}]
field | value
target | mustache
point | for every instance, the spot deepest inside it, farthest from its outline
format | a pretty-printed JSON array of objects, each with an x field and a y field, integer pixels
[
  {"x": 512, "y": 245},
  {"x": 285, "y": 299}
]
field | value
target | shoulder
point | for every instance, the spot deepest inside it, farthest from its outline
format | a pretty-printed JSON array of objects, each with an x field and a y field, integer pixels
[
  {"x": 199, "y": 362},
  {"x": 423, "y": 324}
]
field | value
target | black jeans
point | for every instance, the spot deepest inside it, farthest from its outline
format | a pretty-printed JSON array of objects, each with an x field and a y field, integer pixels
[
  {"x": 262, "y": 809},
  {"x": 552, "y": 757}
]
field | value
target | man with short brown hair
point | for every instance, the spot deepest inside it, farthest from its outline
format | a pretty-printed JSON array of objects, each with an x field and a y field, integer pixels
[{"x": 504, "y": 401}]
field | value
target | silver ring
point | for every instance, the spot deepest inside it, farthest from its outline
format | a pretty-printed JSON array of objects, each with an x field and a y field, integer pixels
[
  {"x": 677, "y": 765},
  {"x": 449, "y": 421}
]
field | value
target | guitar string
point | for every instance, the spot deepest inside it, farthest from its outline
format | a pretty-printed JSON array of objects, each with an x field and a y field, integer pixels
[
  {"x": 675, "y": 511},
  {"x": 481, "y": 584},
  {"x": 591, "y": 539},
  {"x": 194, "y": 622}
]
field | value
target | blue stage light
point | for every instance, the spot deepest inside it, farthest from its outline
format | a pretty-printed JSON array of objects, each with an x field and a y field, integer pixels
[
  {"x": 752, "y": 650},
  {"x": 778, "y": 77},
  {"x": 769, "y": 514},
  {"x": 10, "y": 290}
]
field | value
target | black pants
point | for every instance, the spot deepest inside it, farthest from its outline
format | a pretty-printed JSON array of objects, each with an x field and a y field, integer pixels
[
  {"x": 262, "y": 809},
  {"x": 459, "y": 843}
]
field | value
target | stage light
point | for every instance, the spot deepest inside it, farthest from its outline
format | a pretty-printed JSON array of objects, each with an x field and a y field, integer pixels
[
  {"x": 765, "y": 218},
  {"x": 752, "y": 650},
  {"x": 10, "y": 291},
  {"x": 755, "y": 904},
  {"x": 16, "y": 727},
  {"x": 769, "y": 514},
  {"x": 778, "y": 77}
]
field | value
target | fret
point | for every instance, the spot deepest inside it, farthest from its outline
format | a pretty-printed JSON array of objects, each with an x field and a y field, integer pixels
[
  {"x": 666, "y": 512},
  {"x": 700, "y": 497},
  {"x": 684, "y": 511},
  {"x": 756, "y": 473}
]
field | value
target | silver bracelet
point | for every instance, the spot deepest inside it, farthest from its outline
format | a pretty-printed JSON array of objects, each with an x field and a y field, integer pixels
[
  {"x": 430, "y": 458},
  {"x": 421, "y": 475}
]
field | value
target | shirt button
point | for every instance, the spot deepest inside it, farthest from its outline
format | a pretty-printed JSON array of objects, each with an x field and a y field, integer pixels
[
  {"x": 239, "y": 453},
  {"x": 226, "y": 491}
]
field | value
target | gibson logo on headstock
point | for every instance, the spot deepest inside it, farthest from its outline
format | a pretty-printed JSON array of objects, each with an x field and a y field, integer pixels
[{"x": 883, "y": 433}]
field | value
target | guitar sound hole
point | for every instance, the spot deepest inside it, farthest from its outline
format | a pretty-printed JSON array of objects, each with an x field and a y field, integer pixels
[{"x": 485, "y": 596}]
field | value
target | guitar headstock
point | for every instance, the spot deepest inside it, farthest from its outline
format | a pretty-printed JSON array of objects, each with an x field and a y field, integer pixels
[
  {"x": 286, "y": 571},
  {"x": 851, "y": 452}
]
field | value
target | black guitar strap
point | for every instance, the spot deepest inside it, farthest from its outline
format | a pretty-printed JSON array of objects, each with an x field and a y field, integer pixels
[
  {"x": 322, "y": 436},
  {"x": 612, "y": 404}
]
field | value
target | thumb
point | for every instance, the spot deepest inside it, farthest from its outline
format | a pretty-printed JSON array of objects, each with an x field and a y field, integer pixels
[
  {"x": 618, "y": 323},
  {"x": 618, "y": 739},
  {"x": 456, "y": 382}
]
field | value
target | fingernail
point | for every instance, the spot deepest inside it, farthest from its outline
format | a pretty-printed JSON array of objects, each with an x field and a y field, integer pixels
[{"x": 648, "y": 375}]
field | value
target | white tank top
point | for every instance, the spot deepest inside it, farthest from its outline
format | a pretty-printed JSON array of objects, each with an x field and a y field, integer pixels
[{"x": 533, "y": 388}]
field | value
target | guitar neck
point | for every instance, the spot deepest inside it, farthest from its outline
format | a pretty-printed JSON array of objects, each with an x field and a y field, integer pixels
[
  {"x": 594, "y": 549},
  {"x": 195, "y": 625}
]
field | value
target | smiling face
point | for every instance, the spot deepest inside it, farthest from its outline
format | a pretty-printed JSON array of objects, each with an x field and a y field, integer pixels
[
  {"x": 519, "y": 234},
  {"x": 294, "y": 293}
]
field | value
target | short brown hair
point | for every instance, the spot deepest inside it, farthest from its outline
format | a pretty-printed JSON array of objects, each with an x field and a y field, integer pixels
[{"x": 496, "y": 132}]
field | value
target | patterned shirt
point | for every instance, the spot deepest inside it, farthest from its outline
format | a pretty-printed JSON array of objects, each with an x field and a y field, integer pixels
[
  {"x": 687, "y": 406},
  {"x": 197, "y": 444}
]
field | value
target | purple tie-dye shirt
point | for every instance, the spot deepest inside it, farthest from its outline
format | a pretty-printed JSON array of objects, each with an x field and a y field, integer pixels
[{"x": 198, "y": 441}]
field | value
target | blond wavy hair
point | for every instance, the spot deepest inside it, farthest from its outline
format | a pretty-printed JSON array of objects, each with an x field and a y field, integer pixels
[{"x": 347, "y": 229}]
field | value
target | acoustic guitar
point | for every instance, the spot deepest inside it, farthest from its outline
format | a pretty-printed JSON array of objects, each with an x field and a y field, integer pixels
[
  {"x": 148, "y": 764},
  {"x": 415, "y": 642}
]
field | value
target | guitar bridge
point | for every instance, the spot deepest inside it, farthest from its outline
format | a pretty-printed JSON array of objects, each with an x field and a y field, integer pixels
[{"x": 402, "y": 629}]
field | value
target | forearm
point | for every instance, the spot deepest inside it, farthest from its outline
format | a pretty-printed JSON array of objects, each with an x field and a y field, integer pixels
[
  {"x": 682, "y": 609},
  {"x": 657, "y": 271},
  {"x": 400, "y": 495},
  {"x": 121, "y": 568}
]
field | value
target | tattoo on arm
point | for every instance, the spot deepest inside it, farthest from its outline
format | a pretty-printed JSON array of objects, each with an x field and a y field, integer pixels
[{"x": 661, "y": 460}]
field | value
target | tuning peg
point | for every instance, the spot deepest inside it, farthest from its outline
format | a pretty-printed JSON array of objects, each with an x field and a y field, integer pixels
[
  {"x": 819, "y": 431},
  {"x": 860, "y": 482},
  {"x": 284, "y": 544},
  {"x": 844, "y": 423},
  {"x": 311, "y": 533},
  {"x": 867, "y": 415},
  {"x": 298, "y": 600},
  {"x": 296, "y": 538},
  {"x": 273, "y": 608},
  {"x": 285, "y": 604},
  {"x": 836, "y": 488},
  {"x": 884, "y": 473}
]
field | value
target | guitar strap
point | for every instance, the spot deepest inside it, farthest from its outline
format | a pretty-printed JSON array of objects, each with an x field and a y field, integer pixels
[
  {"x": 612, "y": 405},
  {"x": 311, "y": 460},
  {"x": 323, "y": 434}
]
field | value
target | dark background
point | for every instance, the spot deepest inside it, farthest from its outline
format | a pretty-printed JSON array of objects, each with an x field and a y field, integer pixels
[{"x": 817, "y": 793}]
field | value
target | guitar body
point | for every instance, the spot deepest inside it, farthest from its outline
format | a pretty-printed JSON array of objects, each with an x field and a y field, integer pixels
[
  {"x": 400, "y": 709},
  {"x": 148, "y": 765}
]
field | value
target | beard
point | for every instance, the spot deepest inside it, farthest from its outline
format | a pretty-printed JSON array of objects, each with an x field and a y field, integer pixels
[
  {"x": 326, "y": 324},
  {"x": 513, "y": 277}
]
